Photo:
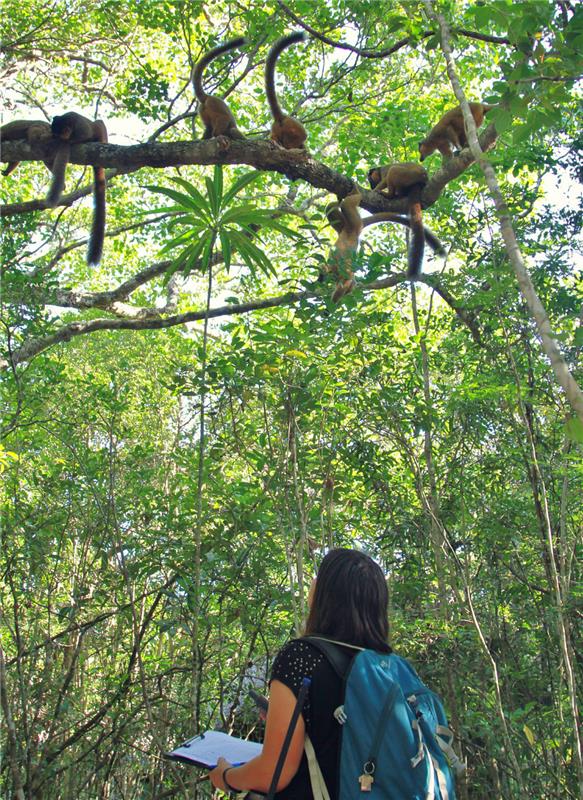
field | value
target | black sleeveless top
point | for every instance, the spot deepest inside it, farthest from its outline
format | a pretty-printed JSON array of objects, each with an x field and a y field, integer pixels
[{"x": 297, "y": 660}]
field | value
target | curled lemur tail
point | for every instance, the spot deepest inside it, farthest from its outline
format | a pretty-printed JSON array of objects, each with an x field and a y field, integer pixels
[
  {"x": 201, "y": 95},
  {"x": 59, "y": 167},
  {"x": 97, "y": 236},
  {"x": 274, "y": 54},
  {"x": 417, "y": 243}
]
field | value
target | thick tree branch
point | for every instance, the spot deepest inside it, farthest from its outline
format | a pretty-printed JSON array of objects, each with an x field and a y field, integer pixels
[
  {"x": 155, "y": 321},
  {"x": 105, "y": 300},
  {"x": 260, "y": 154}
]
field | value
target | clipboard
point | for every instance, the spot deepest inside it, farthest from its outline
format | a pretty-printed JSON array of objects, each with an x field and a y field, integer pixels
[{"x": 205, "y": 750}]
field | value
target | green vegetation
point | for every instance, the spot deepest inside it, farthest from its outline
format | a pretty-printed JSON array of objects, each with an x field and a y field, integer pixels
[{"x": 184, "y": 438}]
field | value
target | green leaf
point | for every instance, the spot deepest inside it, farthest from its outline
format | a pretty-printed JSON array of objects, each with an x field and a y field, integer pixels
[
  {"x": 207, "y": 252},
  {"x": 282, "y": 228},
  {"x": 251, "y": 254},
  {"x": 529, "y": 735},
  {"x": 226, "y": 248},
  {"x": 183, "y": 200},
  {"x": 212, "y": 195},
  {"x": 432, "y": 43},
  {"x": 193, "y": 192},
  {"x": 521, "y": 133},
  {"x": 247, "y": 213},
  {"x": 239, "y": 184},
  {"x": 158, "y": 210},
  {"x": 177, "y": 241},
  {"x": 189, "y": 257},
  {"x": 574, "y": 430},
  {"x": 501, "y": 118},
  {"x": 218, "y": 182}
]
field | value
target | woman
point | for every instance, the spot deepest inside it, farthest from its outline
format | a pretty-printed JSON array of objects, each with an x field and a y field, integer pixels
[{"x": 348, "y": 603}]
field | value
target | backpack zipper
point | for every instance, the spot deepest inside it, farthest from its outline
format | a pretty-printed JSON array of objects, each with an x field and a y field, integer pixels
[{"x": 370, "y": 765}]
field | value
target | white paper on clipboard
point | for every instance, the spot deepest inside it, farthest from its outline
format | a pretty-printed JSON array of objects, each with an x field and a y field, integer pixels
[{"x": 206, "y": 749}]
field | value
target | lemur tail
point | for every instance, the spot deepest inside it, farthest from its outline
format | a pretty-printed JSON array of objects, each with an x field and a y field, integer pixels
[
  {"x": 274, "y": 54},
  {"x": 206, "y": 59}
]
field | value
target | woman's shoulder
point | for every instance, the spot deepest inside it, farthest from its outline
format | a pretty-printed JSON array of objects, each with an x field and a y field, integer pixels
[
  {"x": 297, "y": 648},
  {"x": 297, "y": 655}
]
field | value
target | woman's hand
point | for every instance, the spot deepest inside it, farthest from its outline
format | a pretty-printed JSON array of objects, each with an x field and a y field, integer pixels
[{"x": 216, "y": 775}]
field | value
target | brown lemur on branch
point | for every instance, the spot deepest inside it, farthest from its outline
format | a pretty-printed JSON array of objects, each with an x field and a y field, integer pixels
[
  {"x": 345, "y": 219},
  {"x": 406, "y": 179},
  {"x": 72, "y": 128},
  {"x": 32, "y": 131},
  {"x": 286, "y": 131},
  {"x": 216, "y": 115},
  {"x": 450, "y": 131}
]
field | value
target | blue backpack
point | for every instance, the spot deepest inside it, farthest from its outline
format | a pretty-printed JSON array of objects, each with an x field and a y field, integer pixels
[{"x": 395, "y": 742}]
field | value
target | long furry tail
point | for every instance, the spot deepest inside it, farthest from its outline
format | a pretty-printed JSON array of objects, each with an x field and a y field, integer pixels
[
  {"x": 62, "y": 158},
  {"x": 391, "y": 216},
  {"x": 417, "y": 243},
  {"x": 206, "y": 59},
  {"x": 385, "y": 216},
  {"x": 95, "y": 248},
  {"x": 274, "y": 54},
  {"x": 434, "y": 243}
]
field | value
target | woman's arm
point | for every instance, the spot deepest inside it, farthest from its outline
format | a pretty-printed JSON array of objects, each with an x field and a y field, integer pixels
[{"x": 258, "y": 772}]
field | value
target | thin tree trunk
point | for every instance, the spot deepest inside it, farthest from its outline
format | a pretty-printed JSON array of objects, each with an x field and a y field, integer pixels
[
  {"x": 12, "y": 750},
  {"x": 293, "y": 449},
  {"x": 435, "y": 529},
  {"x": 196, "y": 660},
  {"x": 559, "y": 588},
  {"x": 435, "y": 526},
  {"x": 548, "y": 338}
]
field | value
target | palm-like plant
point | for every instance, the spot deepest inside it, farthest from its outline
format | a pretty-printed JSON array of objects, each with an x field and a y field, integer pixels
[{"x": 211, "y": 220}]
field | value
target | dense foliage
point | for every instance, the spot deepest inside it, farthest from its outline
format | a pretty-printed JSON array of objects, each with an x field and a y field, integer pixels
[{"x": 168, "y": 489}]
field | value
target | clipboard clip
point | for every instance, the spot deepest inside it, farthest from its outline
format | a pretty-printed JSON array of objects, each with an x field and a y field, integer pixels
[{"x": 188, "y": 742}]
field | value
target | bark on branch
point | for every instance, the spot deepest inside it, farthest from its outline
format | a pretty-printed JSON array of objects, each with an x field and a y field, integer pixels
[
  {"x": 257, "y": 153},
  {"x": 260, "y": 154},
  {"x": 157, "y": 322}
]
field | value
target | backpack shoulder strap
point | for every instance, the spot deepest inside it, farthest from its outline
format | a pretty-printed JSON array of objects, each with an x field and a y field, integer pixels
[
  {"x": 337, "y": 653},
  {"x": 288, "y": 737}
]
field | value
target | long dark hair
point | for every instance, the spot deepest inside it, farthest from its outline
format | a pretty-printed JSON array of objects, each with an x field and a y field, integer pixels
[{"x": 350, "y": 601}]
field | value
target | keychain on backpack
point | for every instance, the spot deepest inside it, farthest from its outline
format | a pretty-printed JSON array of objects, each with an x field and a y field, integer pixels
[{"x": 366, "y": 780}]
